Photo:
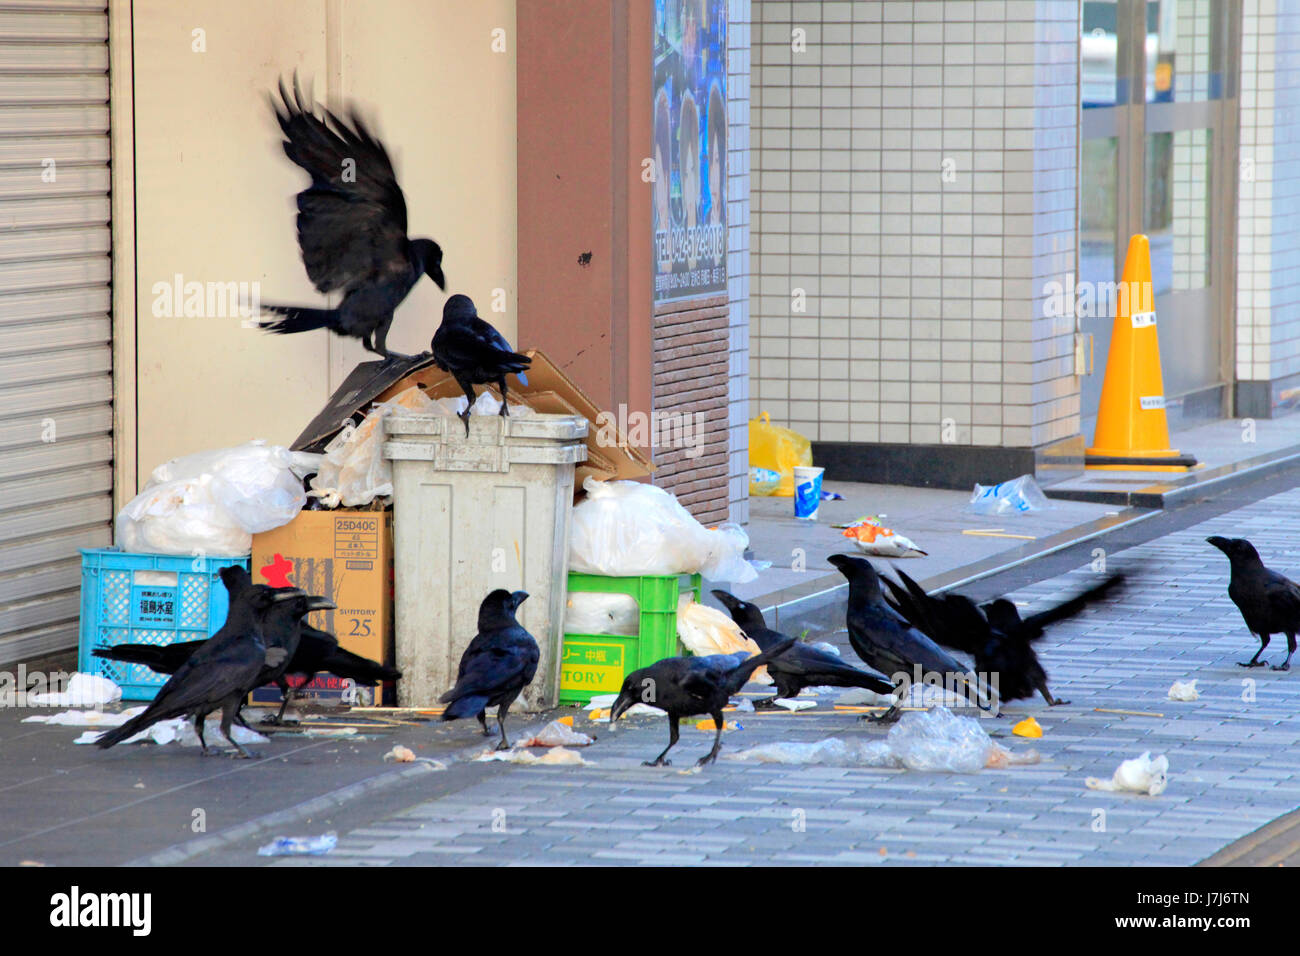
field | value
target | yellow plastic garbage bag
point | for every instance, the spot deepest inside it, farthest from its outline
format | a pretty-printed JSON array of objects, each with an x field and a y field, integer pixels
[{"x": 777, "y": 450}]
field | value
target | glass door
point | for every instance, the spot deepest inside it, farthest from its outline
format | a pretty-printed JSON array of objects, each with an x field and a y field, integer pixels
[{"x": 1159, "y": 100}]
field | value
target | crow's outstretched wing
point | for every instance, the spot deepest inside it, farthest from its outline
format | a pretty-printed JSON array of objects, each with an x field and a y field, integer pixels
[{"x": 352, "y": 219}]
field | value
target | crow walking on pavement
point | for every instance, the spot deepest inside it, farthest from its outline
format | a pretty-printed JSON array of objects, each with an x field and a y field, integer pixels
[
  {"x": 221, "y": 672},
  {"x": 685, "y": 686},
  {"x": 474, "y": 352},
  {"x": 498, "y": 664},
  {"x": 802, "y": 665},
  {"x": 886, "y": 641},
  {"x": 1269, "y": 602},
  {"x": 351, "y": 227}
]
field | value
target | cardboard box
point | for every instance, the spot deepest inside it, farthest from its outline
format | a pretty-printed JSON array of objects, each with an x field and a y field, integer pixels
[
  {"x": 345, "y": 555},
  {"x": 549, "y": 390}
]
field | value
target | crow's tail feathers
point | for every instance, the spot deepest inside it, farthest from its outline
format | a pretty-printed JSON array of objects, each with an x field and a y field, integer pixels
[
  {"x": 129, "y": 729},
  {"x": 297, "y": 319},
  {"x": 740, "y": 676},
  {"x": 363, "y": 670},
  {"x": 469, "y": 706}
]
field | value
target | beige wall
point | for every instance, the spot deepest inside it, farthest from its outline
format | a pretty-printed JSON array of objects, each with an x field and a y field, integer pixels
[{"x": 214, "y": 192}]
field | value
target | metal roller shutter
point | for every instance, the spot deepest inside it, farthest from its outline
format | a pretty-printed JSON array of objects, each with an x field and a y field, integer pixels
[{"x": 56, "y": 388}]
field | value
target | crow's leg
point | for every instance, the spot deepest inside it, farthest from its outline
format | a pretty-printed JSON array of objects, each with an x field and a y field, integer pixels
[
  {"x": 502, "y": 708},
  {"x": 227, "y": 717},
  {"x": 502, "y": 382},
  {"x": 1290, "y": 649},
  {"x": 1255, "y": 661},
  {"x": 287, "y": 695},
  {"x": 712, "y": 755},
  {"x": 482, "y": 719},
  {"x": 888, "y": 717},
  {"x": 672, "y": 742},
  {"x": 198, "y": 729},
  {"x": 767, "y": 703},
  {"x": 381, "y": 342},
  {"x": 365, "y": 341},
  {"x": 468, "y": 388},
  {"x": 1047, "y": 695}
]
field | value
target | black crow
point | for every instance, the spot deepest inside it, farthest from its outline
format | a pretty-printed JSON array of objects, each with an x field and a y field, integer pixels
[
  {"x": 498, "y": 664},
  {"x": 282, "y": 627},
  {"x": 998, "y": 639},
  {"x": 886, "y": 641},
  {"x": 351, "y": 226},
  {"x": 1269, "y": 602},
  {"x": 317, "y": 651},
  {"x": 474, "y": 352},
  {"x": 221, "y": 672},
  {"x": 685, "y": 686},
  {"x": 802, "y": 665}
]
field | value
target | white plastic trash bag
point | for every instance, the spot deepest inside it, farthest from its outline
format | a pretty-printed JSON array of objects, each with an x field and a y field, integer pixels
[
  {"x": 625, "y": 528},
  {"x": 353, "y": 471},
  {"x": 213, "y": 502},
  {"x": 591, "y": 612},
  {"x": 1139, "y": 775},
  {"x": 1018, "y": 496}
]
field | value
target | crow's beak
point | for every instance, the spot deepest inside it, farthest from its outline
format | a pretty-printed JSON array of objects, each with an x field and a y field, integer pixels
[
  {"x": 519, "y": 597},
  {"x": 318, "y": 603},
  {"x": 620, "y": 705},
  {"x": 1220, "y": 543},
  {"x": 728, "y": 600},
  {"x": 287, "y": 594},
  {"x": 436, "y": 275}
]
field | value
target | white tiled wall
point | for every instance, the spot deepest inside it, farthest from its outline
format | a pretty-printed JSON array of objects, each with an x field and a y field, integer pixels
[
  {"x": 738, "y": 186},
  {"x": 1268, "y": 243},
  {"x": 913, "y": 191}
]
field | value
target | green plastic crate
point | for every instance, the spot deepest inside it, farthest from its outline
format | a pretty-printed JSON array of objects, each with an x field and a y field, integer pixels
[{"x": 593, "y": 664}]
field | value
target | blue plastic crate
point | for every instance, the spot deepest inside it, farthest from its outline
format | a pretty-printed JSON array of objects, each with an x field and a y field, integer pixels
[{"x": 147, "y": 599}]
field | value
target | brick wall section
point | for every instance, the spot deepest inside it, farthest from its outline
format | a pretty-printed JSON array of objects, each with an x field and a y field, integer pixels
[{"x": 691, "y": 376}]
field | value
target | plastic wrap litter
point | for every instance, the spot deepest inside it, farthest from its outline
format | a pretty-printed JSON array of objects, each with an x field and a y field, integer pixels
[
  {"x": 1018, "y": 496},
  {"x": 353, "y": 471},
  {"x": 936, "y": 740},
  {"x": 590, "y": 612},
  {"x": 872, "y": 537},
  {"x": 556, "y": 734},
  {"x": 704, "y": 630},
  {"x": 84, "y": 690},
  {"x": 1184, "y": 691},
  {"x": 626, "y": 528},
  {"x": 213, "y": 502},
  {"x": 555, "y": 757},
  {"x": 1139, "y": 775}
]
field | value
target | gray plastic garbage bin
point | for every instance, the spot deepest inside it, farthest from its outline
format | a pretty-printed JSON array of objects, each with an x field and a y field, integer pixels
[{"x": 471, "y": 514}]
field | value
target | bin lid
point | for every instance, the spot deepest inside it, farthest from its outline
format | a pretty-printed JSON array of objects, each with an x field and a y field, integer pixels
[{"x": 404, "y": 424}]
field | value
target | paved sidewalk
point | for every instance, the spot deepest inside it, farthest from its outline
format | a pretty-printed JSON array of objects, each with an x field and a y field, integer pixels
[{"x": 1234, "y": 759}]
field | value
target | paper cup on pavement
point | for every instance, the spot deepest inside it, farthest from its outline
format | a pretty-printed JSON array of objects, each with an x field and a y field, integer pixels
[{"x": 807, "y": 491}]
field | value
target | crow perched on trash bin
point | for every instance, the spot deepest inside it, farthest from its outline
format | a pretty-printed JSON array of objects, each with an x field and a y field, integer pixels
[
  {"x": 1000, "y": 641},
  {"x": 351, "y": 226},
  {"x": 474, "y": 352},
  {"x": 1268, "y": 601},
  {"x": 889, "y": 643},
  {"x": 498, "y": 664},
  {"x": 685, "y": 686},
  {"x": 802, "y": 665},
  {"x": 221, "y": 672}
]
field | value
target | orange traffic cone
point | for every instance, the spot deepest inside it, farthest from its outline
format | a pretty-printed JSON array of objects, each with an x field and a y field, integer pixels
[{"x": 1132, "y": 430}]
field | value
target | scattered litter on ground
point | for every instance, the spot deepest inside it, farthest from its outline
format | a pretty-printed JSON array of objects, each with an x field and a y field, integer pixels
[
  {"x": 84, "y": 718},
  {"x": 1028, "y": 728},
  {"x": 745, "y": 706},
  {"x": 330, "y": 732},
  {"x": 828, "y": 647},
  {"x": 774, "y": 450},
  {"x": 556, "y": 734},
  {"x": 300, "y": 846},
  {"x": 832, "y": 496},
  {"x": 84, "y": 690},
  {"x": 936, "y": 740},
  {"x": 708, "y": 724},
  {"x": 1017, "y": 496},
  {"x": 1184, "y": 691},
  {"x": 599, "y": 706},
  {"x": 790, "y": 704},
  {"x": 1126, "y": 713},
  {"x": 178, "y": 730},
  {"x": 400, "y": 754},
  {"x": 998, "y": 533},
  {"x": 872, "y": 537},
  {"x": 555, "y": 757},
  {"x": 1139, "y": 775}
]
